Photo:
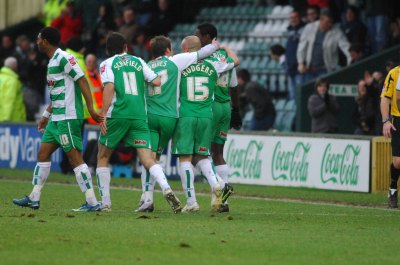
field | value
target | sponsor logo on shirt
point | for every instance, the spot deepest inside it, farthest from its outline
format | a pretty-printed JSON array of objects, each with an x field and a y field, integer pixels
[
  {"x": 222, "y": 59},
  {"x": 140, "y": 142},
  {"x": 72, "y": 61},
  {"x": 202, "y": 149},
  {"x": 223, "y": 134},
  {"x": 50, "y": 83}
]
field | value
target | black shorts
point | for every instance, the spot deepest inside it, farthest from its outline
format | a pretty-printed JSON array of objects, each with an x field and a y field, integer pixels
[{"x": 396, "y": 137}]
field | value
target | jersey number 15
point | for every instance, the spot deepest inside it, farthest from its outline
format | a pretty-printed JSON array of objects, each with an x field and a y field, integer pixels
[{"x": 196, "y": 88}]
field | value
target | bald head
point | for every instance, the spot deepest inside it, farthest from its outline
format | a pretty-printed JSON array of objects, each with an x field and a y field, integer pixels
[
  {"x": 91, "y": 62},
  {"x": 11, "y": 63},
  {"x": 191, "y": 44}
]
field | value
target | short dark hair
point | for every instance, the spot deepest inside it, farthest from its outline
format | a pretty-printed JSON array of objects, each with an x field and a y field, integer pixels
[
  {"x": 115, "y": 43},
  {"x": 75, "y": 44},
  {"x": 354, "y": 9},
  {"x": 244, "y": 74},
  {"x": 320, "y": 82},
  {"x": 158, "y": 46},
  {"x": 327, "y": 13},
  {"x": 52, "y": 35},
  {"x": 315, "y": 8},
  {"x": 277, "y": 49},
  {"x": 208, "y": 29}
]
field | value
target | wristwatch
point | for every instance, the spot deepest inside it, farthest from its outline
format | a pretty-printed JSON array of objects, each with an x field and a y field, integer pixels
[{"x": 385, "y": 120}]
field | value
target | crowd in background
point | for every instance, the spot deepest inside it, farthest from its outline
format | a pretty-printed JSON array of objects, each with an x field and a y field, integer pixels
[{"x": 322, "y": 37}]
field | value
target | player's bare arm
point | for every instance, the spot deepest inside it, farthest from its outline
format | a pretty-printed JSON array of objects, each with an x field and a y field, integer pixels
[
  {"x": 107, "y": 98},
  {"x": 387, "y": 124},
  {"x": 156, "y": 82},
  {"x": 209, "y": 49},
  {"x": 232, "y": 55},
  {"x": 45, "y": 118},
  {"x": 84, "y": 86}
]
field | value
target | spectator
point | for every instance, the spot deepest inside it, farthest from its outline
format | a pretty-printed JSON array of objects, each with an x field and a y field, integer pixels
[
  {"x": 6, "y": 48},
  {"x": 374, "y": 83},
  {"x": 162, "y": 21},
  {"x": 139, "y": 45},
  {"x": 97, "y": 16},
  {"x": 354, "y": 28},
  {"x": 356, "y": 52},
  {"x": 377, "y": 23},
  {"x": 317, "y": 52},
  {"x": 365, "y": 111},
  {"x": 11, "y": 103},
  {"x": 69, "y": 23},
  {"x": 323, "y": 109},
  {"x": 260, "y": 100},
  {"x": 32, "y": 71},
  {"x": 394, "y": 37},
  {"x": 95, "y": 83},
  {"x": 128, "y": 29},
  {"x": 312, "y": 13},
  {"x": 294, "y": 31},
  {"x": 277, "y": 53},
  {"x": 22, "y": 51},
  {"x": 51, "y": 10},
  {"x": 144, "y": 10}
]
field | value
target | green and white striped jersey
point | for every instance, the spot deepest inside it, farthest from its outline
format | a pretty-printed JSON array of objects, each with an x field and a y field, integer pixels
[
  {"x": 198, "y": 86},
  {"x": 63, "y": 73},
  {"x": 163, "y": 100},
  {"x": 128, "y": 73}
]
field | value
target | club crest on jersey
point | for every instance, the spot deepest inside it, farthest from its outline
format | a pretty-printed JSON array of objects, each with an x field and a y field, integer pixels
[
  {"x": 50, "y": 83},
  {"x": 202, "y": 149},
  {"x": 223, "y": 134},
  {"x": 103, "y": 69},
  {"x": 140, "y": 142},
  {"x": 222, "y": 59},
  {"x": 72, "y": 61}
]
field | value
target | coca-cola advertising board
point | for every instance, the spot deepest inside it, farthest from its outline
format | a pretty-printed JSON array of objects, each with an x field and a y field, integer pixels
[{"x": 323, "y": 163}]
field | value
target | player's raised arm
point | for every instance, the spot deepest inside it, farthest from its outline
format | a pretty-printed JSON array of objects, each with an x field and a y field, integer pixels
[
  {"x": 232, "y": 55},
  {"x": 208, "y": 49}
]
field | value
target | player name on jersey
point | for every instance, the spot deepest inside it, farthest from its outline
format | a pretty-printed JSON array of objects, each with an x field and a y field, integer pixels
[
  {"x": 126, "y": 62},
  {"x": 198, "y": 68},
  {"x": 158, "y": 63}
]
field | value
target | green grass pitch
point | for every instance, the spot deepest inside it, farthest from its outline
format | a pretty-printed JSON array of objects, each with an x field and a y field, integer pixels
[{"x": 266, "y": 225}]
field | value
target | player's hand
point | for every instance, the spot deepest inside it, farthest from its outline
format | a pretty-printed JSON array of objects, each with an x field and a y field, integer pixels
[
  {"x": 236, "y": 120},
  {"x": 103, "y": 126},
  {"x": 96, "y": 116},
  {"x": 387, "y": 127},
  {"x": 216, "y": 43},
  {"x": 302, "y": 68},
  {"x": 42, "y": 124}
]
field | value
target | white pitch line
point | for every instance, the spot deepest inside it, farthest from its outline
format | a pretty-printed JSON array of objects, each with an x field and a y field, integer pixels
[{"x": 298, "y": 201}]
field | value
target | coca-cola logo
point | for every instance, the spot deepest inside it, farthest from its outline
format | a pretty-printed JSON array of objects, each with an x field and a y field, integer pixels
[
  {"x": 245, "y": 162},
  {"x": 292, "y": 164},
  {"x": 341, "y": 167}
]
